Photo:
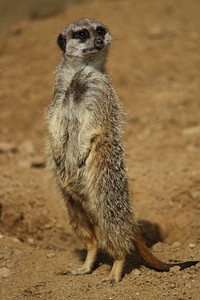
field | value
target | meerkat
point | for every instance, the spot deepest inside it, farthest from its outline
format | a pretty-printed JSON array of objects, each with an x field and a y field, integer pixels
[{"x": 86, "y": 155}]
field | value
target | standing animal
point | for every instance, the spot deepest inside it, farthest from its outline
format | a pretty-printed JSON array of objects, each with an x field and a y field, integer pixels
[{"x": 85, "y": 150}]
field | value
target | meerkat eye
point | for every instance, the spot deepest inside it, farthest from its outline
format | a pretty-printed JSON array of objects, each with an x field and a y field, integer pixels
[
  {"x": 101, "y": 31},
  {"x": 82, "y": 34}
]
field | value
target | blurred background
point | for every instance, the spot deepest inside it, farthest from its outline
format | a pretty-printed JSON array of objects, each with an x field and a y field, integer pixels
[
  {"x": 154, "y": 65},
  {"x": 13, "y": 11}
]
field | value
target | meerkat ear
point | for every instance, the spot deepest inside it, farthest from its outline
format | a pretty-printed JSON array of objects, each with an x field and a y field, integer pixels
[{"x": 61, "y": 40}]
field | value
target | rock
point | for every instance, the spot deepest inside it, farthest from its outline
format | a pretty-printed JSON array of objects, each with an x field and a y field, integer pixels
[
  {"x": 192, "y": 271},
  {"x": 27, "y": 148},
  {"x": 17, "y": 252},
  {"x": 4, "y": 272},
  {"x": 198, "y": 265},
  {"x": 38, "y": 162},
  {"x": 15, "y": 240},
  {"x": 7, "y": 147},
  {"x": 176, "y": 245},
  {"x": 172, "y": 286},
  {"x": 175, "y": 269},
  {"x": 195, "y": 195},
  {"x": 48, "y": 226},
  {"x": 50, "y": 255},
  {"x": 24, "y": 163},
  {"x": 30, "y": 241},
  {"x": 157, "y": 247},
  {"x": 191, "y": 245},
  {"x": 155, "y": 32},
  {"x": 136, "y": 272},
  {"x": 191, "y": 130}
]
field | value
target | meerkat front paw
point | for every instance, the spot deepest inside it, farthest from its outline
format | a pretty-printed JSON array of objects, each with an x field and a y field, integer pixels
[
  {"x": 80, "y": 162},
  {"x": 82, "y": 159}
]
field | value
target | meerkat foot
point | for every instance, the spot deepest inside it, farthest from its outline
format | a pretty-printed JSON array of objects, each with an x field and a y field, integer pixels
[
  {"x": 81, "y": 271},
  {"x": 108, "y": 280},
  {"x": 75, "y": 272},
  {"x": 111, "y": 279},
  {"x": 115, "y": 273},
  {"x": 87, "y": 267}
]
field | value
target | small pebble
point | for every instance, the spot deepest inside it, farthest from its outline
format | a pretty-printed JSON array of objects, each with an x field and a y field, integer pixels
[
  {"x": 176, "y": 245},
  {"x": 158, "y": 246},
  {"x": 7, "y": 147},
  {"x": 195, "y": 195},
  {"x": 24, "y": 163},
  {"x": 175, "y": 269},
  {"x": 198, "y": 265},
  {"x": 137, "y": 272},
  {"x": 192, "y": 271},
  {"x": 30, "y": 241},
  {"x": 155, "y": 32},
  {"x": 17, "y": 252},
  {"x": 16, "y": 240},
  {"x": 172, "y": 286},
  {"x": 191, "y": 245},
  {"x": 4, "y": 272},
  {"x": 50, "y": 255},
  {"x": 38, "y": 162},
  {"x": 27, "y": 147},
  {"x": 191, "y": 130},
  {"x": 48, "y": 226}
]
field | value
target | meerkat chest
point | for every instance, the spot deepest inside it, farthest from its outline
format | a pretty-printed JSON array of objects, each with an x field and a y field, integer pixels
[
  {"x": 77, "y": 100},
  {"x": 69, "y": 111}
]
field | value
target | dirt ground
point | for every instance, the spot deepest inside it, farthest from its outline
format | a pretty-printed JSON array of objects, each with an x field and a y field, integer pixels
[{"x": 155, "y": 67}]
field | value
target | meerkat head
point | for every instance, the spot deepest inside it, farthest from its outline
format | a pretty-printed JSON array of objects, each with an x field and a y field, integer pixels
[{"x": 84, "y": 38}]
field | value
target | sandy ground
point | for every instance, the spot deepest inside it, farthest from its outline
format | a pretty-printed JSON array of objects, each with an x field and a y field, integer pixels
[{"x": 155, "y": 67}]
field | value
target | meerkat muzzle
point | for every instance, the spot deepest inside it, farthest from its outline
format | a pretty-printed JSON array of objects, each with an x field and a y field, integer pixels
[{"x": 99, "y": 43}]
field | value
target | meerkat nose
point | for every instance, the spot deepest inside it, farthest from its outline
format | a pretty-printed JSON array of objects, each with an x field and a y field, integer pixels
[{"x": 99, "y": 43}]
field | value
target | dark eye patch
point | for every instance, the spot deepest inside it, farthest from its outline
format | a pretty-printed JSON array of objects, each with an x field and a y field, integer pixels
[
  {"x": 82, "y": 34},
  {"x": 101, "y": 31}
]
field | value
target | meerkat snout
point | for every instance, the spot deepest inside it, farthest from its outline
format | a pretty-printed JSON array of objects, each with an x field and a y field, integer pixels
[{"x": 99, "y": 43}]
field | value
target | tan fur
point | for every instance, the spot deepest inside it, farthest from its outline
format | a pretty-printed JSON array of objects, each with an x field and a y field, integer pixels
[{"x": 85, "y": 150}]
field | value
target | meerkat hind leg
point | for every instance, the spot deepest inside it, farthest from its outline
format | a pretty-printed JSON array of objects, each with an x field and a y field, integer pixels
[
  {"x": 116, "y": 272},
  {"x": 89, "y": 261},
  {"x": 85, "y": 230}
]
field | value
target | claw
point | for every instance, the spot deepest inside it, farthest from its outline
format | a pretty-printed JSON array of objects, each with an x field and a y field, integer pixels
[{"x": 81, "y": 161}]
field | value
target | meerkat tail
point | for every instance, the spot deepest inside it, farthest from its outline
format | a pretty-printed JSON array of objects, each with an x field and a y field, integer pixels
[
  {"x": 148, "y": 256},
  {"x": 154, "y": 262}
]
